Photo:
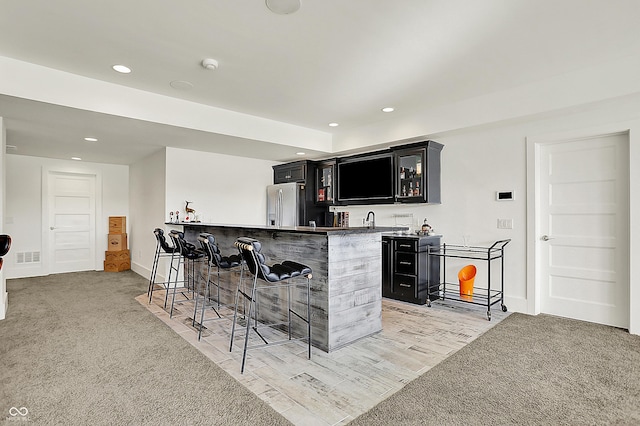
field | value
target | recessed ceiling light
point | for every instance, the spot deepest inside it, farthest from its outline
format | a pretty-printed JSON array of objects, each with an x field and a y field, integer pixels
[
  {"x": 300, "y": 153},
  {"x": 181, "y": 85},
  {"x": 387, "y": 109},
  {"x": 91, "y": 139},
  {"x": 122, "y": 69},
  {"x": 76, "y": 158},
  {"x": 283, "y": 7},
  {"x": 333, "y": 124}
]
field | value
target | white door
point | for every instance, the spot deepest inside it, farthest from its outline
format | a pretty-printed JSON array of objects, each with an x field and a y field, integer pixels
[
  {"x": 72, "y": 221},
  {"x": 584, "y": 226}
]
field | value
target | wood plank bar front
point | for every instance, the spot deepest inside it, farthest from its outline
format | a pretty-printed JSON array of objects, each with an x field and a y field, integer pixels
[{"x": 346, "y": 295}]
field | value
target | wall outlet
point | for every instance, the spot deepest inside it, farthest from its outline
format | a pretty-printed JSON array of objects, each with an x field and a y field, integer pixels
[{"x": 505, "y": 223}]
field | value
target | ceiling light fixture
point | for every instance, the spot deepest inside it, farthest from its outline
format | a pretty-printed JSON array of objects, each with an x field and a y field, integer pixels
[
  {"x": 91, "y": 139},
  {"x": 181, "y": 85},
  {"x": 283, "y": 7},
  {"x": 76, "y": 158},
  {"x": 209, "y": 64},
  {"x": 300, "y": 153},
  {"x": 387, "y": 109},
  {"x": 333, "y": 124},
  {"x": 122, "y": 69}
]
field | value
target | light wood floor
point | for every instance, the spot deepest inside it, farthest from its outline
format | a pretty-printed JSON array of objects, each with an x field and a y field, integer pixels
[{"x": 334, "y": 388}]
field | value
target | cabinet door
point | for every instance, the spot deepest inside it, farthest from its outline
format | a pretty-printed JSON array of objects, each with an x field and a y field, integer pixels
[
  {"x": 405, "y": 286},
  {"x": 289, "y": 173},
  {"x": 418, "y": 173},
  {"x": 406, "y": 263},
  {"x": 325, "y": 183},
  {"x": 387, "y": 268},
  {"x": 410, "y": 165}
]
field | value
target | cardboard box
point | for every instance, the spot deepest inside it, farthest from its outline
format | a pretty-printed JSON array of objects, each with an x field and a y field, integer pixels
[
  {"x": 117, "y": 224},
  {"x": 117, "y": 242},
  {"x": 117, "y": 256},
  {"x": 117, "y": 266}
]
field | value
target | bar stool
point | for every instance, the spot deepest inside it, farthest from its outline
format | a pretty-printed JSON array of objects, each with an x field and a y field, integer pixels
[
  {"x": 163, "y": 249},
  {"x": 187, "y": 255},
  {"x": 219, "y": 262},
  {"x": 274, "y": 277},
  {"x": 5, "y": 246}
]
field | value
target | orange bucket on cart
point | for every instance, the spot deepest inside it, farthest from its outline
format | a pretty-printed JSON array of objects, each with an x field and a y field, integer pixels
[{"x": 466, "y": 277}]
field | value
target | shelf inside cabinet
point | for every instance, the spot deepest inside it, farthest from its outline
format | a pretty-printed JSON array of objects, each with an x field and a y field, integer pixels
[{"x": 325, "y": 183}]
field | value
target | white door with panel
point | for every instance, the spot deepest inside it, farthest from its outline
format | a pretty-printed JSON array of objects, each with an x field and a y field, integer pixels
[
  {"x": 72, "y": 221},
  {"x": 584, "y": 229}
]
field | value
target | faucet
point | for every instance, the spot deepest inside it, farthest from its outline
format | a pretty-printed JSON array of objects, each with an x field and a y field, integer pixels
[{"x": 372, "y": 223}]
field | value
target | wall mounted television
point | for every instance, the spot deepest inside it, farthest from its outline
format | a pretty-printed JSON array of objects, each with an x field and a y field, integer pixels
[{"x": 366, "y": 179}]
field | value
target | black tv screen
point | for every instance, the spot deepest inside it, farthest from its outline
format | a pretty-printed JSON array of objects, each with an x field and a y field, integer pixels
[{"x": 366, "y": 178}]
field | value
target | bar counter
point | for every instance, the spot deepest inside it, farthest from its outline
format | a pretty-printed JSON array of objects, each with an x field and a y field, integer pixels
[{"x": 346, "y": 289}]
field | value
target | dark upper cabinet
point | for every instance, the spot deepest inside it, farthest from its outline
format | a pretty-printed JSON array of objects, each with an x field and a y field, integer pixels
[
  {"x": 418, "y": 173},
  {"x": 326, "y": 182},
  {"x": 290, "y": 172},
  {"x": 407, "y": 173}
]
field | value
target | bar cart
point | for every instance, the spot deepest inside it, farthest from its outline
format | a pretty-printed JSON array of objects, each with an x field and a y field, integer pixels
[{"x": 481, "y": 296}]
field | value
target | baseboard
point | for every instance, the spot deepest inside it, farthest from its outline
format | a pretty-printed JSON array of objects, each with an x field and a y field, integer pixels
[
  {"x": 145, "y": 272},
  {"x": 516, "y": 304}
]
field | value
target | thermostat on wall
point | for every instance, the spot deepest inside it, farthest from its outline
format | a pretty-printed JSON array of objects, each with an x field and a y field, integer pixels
[{"x": 504, "y": 195}]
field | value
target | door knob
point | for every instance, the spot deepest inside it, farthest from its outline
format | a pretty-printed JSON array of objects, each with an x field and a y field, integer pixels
[
  {"x": 546, "y": 238},
  {"x": 52, "y": 227}
]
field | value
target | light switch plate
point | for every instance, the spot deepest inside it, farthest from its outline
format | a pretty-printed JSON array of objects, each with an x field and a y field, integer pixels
[{"x": 505, "y": 223}]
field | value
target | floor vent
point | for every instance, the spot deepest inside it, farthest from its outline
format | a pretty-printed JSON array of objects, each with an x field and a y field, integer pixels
[{"x": 28, "y": 257}]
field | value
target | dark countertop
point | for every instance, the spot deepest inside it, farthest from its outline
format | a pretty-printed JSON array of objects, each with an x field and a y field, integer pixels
[
  {"x": 412, "y": 235},
  {"x": 301, "y": 229}
]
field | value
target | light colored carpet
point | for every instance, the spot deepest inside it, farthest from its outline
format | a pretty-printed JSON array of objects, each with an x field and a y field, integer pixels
[
  {"x": 78, "y": 349},
  {"x": 527, "y": 370}
]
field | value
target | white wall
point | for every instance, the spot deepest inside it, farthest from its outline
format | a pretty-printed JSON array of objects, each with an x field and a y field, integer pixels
[
  {"x": 23, "y": 220},
  {"x": 4, "y": 300},
  {"x": 147, "y": 186},
  {"x": 476, "y": 162},
  {"x": 223, "y": 189}
]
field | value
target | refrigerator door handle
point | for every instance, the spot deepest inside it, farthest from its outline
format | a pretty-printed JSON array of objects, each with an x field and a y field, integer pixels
[{"x": 280, "y": 208}]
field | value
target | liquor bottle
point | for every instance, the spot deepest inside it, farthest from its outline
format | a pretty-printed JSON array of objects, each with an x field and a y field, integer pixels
[{"x": 401, "y": 172}]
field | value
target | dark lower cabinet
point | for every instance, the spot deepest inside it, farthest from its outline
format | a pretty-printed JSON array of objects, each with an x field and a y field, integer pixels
[{"x": 408, "y": 274}]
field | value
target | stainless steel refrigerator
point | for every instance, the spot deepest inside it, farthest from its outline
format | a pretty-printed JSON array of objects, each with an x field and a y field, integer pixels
[{"x": 290, "y": 204}]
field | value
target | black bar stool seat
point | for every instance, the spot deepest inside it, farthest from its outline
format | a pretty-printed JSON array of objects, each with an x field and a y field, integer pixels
[
  {"x": 163, "y": 249},
  {"x": 274, "y": 278},
  {"x": 220, "y": 263},
  {"x": 187, "y": 255}
]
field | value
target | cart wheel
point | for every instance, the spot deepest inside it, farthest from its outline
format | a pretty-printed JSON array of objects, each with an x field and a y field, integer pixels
[
  {"x": 504, "y": 308},
  {"x": 428, "y": 303},
  {"x": 488, "y": 315}
]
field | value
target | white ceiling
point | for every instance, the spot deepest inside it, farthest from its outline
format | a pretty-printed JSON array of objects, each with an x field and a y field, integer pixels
[{"x": 331, "y": 61}]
